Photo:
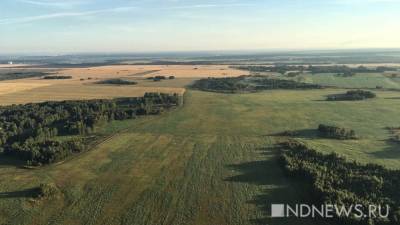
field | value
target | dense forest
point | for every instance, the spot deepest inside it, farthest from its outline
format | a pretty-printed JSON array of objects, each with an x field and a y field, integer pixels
[
  {"x": 248, "y": 84},
  {"x": 332, "y": 179},
  {"x": 117, "y": 81},
  {"x": 343, "y": 70},
  {"x": 30, "y": 132},
  {"x": 354, "y": 95},
  {"x": 56, "y": 77},
  {"x": 336, "y": 132}
]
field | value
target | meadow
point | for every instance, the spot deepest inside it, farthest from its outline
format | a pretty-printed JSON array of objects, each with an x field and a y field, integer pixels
[
  {"x": 211, "y": 161},
  {"x": 360, "y": 80}
]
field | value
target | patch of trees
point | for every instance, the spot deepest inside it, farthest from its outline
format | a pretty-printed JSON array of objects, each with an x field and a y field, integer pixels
[
  {"x": 57, "y": 77},
  {"x": 354, "y": 95},
  {"x": 348, "y": 71},
  {"x": 21, "y": 75},
  {"x": 158, "y": 78},
  {"x": 117, "y": 81},
  {"x": 334, "y": 132},
  {"x": 337, "y": 69},
  {"x": 226, "y": 85},
  {"x": 277, "y": 68},
  {"x": 293, "y": 74},
  {"x": 331, "y": 179},
  {"x": 29, "y": 132},
  {"x": 248, "y": 84},
  {"x": 269, "y": 84}
]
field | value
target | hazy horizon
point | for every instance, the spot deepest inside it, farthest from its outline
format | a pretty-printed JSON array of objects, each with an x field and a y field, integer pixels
[{"x": 148, "y": 26}]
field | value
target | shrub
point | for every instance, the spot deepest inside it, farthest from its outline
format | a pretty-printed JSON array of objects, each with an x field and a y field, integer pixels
[
  {"x": 336, "y": 132},
  {"x": 47, "y": 190}
]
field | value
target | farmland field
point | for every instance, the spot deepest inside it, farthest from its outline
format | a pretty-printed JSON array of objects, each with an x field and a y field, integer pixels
[
  {"x": 83, "y": 85},
  {"x": 366, "y": 80},
  {"x": 211, "y": 161},
  {"x": 199, "y": 112}
]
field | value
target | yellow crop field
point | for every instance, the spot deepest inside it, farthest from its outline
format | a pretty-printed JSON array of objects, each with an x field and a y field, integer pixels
[
  {"x": 83, "y": 83},
  {"x": 159, "y": 70},
  {"x": 79, "y": 92}
]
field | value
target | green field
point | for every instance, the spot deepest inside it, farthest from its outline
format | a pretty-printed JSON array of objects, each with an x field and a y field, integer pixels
[
  {"x": 360, "y": 80},
  {"x": 211, "y": 161}
]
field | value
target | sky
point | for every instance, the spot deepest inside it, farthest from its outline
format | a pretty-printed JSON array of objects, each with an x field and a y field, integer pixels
[{"x": 73, "y": 26}]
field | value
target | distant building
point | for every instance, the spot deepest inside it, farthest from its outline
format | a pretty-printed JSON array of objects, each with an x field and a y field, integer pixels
[{"x": 11, "y": 62}]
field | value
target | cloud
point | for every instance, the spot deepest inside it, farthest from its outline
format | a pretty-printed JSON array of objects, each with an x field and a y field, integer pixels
[
  {"x": 365, "y": 1},
  {"x": 55, "y": 3},
  {"x": 62, "y": 15},
  {"x": 95, "y": 12},
  {"x": 199, "y": 6}
]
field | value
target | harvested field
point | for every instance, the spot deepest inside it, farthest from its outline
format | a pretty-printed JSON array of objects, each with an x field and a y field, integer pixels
[
  {"x": 78, "y": 92},
  {"x": 83, "y": 83},
  {"x": 13, "y": 87},
  {"x": 162, "y": 70},
  {"x": 12, "y": 65}
]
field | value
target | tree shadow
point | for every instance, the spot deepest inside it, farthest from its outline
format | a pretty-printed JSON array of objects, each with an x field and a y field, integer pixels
[
  {"x": 391, "y": 152},
  {"x": 251, "y": 172},
  {"x": 27, "y": 193},
  {"x": 7, "y": 161},
  {"x": 393, "y": 98},
  {"x": 277, "y": 189},
  {"x": 302, "y": 133}
]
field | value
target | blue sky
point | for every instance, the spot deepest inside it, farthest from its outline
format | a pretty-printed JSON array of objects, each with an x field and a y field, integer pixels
[{"x": 58, "y": 26}]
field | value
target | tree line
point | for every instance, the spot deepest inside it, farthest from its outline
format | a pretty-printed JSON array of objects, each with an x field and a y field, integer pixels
[
  {"x": 159, "y": 78},
  {"x": 353, "y": 95},
  {"x": 337, "y": 69},
  {"x": 331, "y": 179},
  {"x": 57, "y": 77},
  {"x": 29, "y": 132},
  {"x": 21, "y": 75},
  {"x": 117, "y": 81},
  {"x": 248, "y": 84}
]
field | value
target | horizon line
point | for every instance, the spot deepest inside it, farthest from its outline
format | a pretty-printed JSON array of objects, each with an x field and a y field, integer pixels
[{"x": 236, "y": 51}]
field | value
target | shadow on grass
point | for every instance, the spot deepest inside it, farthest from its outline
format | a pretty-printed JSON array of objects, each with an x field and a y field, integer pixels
[
  {"x": 28, "y": 193},
  {"x": 7, "y": 161},
  {"x": 276, "y": 188},
  {"x": 393, "y": 98},
  {"x": 303, "y": 133},
  {"x": 251, "y": 172},
  {"x": 391, "y": 152}
]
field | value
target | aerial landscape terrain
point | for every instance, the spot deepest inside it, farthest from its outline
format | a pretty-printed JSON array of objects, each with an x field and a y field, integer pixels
[
  {"x": 212, "y": 156},
  {"x": 211, "y": 112}
]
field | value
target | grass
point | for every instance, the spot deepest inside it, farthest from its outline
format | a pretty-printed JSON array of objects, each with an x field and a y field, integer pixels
[
  {"x": 210, "y": 162},
  {"x": 361, "y": 80}
]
